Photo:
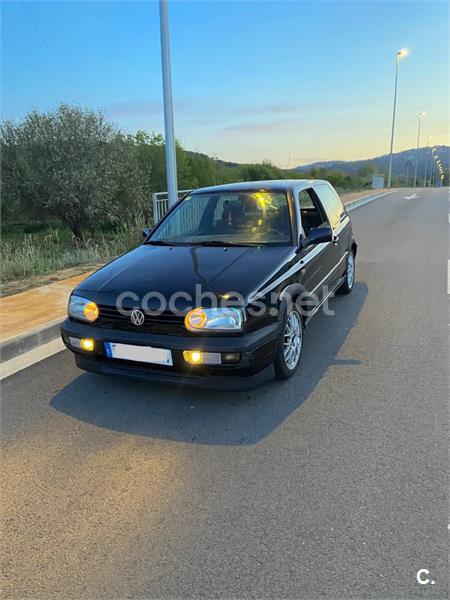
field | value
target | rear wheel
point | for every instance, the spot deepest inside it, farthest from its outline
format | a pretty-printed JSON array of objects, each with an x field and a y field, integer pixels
[
  {"x": 347, "y": 285},
  {"x": 290, "y": 345}
]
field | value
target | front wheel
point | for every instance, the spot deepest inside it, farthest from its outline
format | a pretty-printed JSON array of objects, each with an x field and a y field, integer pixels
[
  {"x": 290, "y": 345},
  {"x": 349, "y": 280}
]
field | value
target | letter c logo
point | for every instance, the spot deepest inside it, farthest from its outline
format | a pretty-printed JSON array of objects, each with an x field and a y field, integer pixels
[{"x": 421, "y": 572}]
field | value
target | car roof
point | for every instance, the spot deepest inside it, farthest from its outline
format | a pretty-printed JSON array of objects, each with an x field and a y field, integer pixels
[{"x": 258, "y": 186}]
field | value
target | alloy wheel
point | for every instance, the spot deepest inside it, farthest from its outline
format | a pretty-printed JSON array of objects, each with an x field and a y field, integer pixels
[
  {"x": 350, "y": 270},
  {"x": 292, "y": 340}
]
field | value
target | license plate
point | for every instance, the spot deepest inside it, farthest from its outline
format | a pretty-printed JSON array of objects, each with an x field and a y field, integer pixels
[{"x": 147, "y": 354}]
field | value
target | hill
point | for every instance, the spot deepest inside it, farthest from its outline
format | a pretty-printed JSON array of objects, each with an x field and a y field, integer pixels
[{"x": 401, "y": 161}]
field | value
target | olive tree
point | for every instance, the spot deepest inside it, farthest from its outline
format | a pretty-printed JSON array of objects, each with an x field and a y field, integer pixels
[
  {"x": 12, "y": 188},
  {"x": 70, "y": 163}
]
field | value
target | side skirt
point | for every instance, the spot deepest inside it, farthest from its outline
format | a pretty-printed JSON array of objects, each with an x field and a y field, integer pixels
[{"x": 330, "y": 293}]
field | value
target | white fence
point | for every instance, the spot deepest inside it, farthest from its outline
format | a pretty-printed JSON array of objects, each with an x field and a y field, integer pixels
[{"x": 160, "y": 204}]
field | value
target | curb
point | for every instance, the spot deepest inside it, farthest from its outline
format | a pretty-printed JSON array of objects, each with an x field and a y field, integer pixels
[
  {"x": 13, "y": 347},
  {"x": 24, "y": 342},
  {"x": 357, "y": 203}
]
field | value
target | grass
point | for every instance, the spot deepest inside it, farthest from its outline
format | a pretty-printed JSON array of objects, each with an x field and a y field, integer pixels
[{"x": 52, "y": 248}]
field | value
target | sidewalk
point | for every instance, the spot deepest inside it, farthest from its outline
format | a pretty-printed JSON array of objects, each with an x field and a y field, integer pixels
[{"x": 32, "y": 317}]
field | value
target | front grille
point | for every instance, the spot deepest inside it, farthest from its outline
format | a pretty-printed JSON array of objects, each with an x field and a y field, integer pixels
[{"x": 166, "y": 323}]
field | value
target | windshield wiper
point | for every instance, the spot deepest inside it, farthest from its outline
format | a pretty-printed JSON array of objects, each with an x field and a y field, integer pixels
[
  {"x": 158, "y": 243},
  {"x": 222, "y": 243}
]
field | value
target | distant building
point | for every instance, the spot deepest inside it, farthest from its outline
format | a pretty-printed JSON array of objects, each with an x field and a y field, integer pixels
[{"x": 377, "y": 181}]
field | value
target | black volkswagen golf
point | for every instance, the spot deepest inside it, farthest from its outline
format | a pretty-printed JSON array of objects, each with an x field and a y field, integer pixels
[{"x": 219, "y": 293}]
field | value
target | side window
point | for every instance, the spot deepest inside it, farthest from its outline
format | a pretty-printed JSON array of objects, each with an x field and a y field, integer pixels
[
  {"x": 332, "y": 204},
  {"x": 305, "y": 199},
  {"x": 311, "y": 211}
]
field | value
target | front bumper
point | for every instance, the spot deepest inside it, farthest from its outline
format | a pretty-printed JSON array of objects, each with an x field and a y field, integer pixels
[{"x": 257, "y": 352}]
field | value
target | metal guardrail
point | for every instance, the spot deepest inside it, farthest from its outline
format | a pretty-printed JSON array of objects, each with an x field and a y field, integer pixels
[{"x": 160, "y": 204}]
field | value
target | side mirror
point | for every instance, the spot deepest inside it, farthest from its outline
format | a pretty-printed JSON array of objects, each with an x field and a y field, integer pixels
[
  {"x": 146, "y": 232},
  {"x": 319, "y": 235}
]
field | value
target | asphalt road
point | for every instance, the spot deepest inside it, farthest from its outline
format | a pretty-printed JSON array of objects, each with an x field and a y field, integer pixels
[{"x": 331, "y": 485}]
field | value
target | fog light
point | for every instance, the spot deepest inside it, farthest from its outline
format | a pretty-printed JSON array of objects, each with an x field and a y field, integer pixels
[
  {"x": 195, "y": 357},
  {"x": 87, "y": 344},
  {"x": 231, "y": 357},
  {"x": 73, "y": 341}
]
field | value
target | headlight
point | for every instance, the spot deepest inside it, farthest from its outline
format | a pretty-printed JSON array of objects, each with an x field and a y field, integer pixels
[
  {"x": 214, "y": 319},
  {"x": 81, "y": 308}
]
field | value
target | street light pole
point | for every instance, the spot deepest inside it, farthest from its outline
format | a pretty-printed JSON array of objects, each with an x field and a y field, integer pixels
[
  {"x": 400, "y": 54},
  {"x": 417, "y": 148},
  {"x": 426, "y": 162},
  {"x": 433, "y": 150},
  {"x": 436, "y": 158},
  {"x": 408, "y": 164},
  {"x": 439, "y": 165},
  {"x": 171, "y": 158}
]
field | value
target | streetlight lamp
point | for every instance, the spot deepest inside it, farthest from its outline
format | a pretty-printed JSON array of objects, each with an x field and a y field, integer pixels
[
  {"x": 422, "y": 114},
  {"x": 171, "y": 157},
  {"x": 441, "y": 175},
  {"x": 400, "y": 54}
]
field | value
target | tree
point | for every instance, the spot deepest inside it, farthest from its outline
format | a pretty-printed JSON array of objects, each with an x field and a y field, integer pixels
[
  {"x": 151, "y": 158},
  {"x": 203, "y": 170},
  {"x": 72, "y": 164},
  {"x": 261, "y": 171},
  {"x": 12, "y": 178},
  {"x": 152, "y": 161},
  {"x": 367, "y": 170}
]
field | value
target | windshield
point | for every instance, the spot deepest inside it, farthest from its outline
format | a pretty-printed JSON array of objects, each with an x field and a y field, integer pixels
[{"x": 228, "y": 218}]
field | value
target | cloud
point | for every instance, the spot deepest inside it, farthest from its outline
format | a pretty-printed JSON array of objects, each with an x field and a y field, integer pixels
[
  {"x": 260, "y": 109},
  {"x": 134, "y": 108},
  {"x": 261, "y": 127},
  {"x": 142, "y": 108},
  {"x": 194, "y": 107}
]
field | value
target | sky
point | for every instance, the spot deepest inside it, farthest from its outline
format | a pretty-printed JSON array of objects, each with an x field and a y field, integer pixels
[{"x": 291, "y": 82}]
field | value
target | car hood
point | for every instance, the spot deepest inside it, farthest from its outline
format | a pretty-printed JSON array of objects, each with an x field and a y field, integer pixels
[{"x": 170, "y": 269}]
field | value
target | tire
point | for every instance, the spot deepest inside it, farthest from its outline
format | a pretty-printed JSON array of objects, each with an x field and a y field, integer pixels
[
  {"x": 349, "y": 280},
  {"x": 287, "y": 360}
]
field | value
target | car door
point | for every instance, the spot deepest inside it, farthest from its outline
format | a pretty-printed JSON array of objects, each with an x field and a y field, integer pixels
[
  {"x": 340, "y": 224},
  {"x": 318, "y": 260}
]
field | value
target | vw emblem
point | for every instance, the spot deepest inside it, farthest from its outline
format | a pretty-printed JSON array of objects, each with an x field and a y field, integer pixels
[{"x": 137, "y": 317}]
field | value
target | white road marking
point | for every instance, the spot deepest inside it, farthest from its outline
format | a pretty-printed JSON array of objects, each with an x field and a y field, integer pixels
[
  {"x": 448, "y": 277},
  {"x": 14, "y": 365},
  {"x": 449, "y": 217},
  {"x": 410, "y": 197}
]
